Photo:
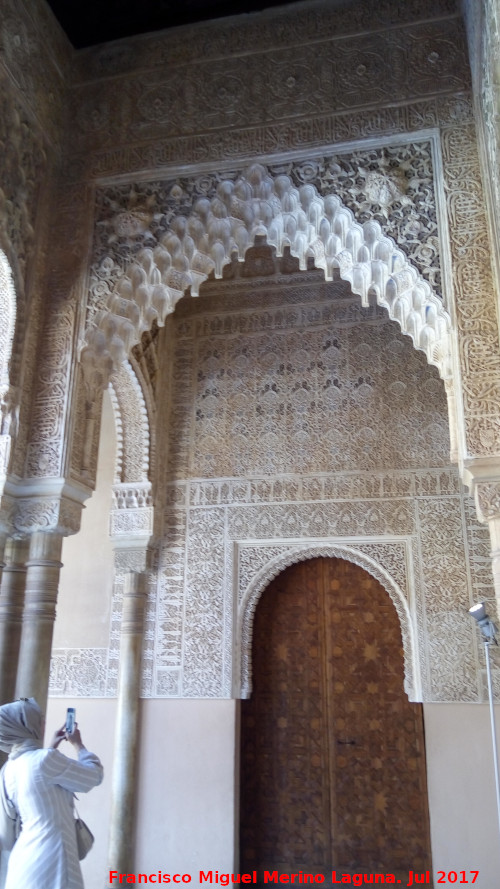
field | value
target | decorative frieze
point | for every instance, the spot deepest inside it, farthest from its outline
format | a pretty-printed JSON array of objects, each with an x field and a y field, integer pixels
[
  {"x": 237, "y": 36},
  {"x": 292, "y": 82},
  {"x": 79, "y": 672}
]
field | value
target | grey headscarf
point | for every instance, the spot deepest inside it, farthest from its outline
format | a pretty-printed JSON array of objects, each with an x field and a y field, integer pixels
[{"x": 21, "y": 725}]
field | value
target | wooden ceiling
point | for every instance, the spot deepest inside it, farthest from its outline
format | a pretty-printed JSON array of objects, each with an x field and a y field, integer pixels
[{"x": 89, "y": 22}]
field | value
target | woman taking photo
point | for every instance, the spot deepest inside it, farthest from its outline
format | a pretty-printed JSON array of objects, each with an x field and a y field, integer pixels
[{"x": 41, "y": 783}]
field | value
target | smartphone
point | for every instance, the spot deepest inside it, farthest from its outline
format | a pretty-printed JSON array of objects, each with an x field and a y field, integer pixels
[{"x": 70, "y": 720}]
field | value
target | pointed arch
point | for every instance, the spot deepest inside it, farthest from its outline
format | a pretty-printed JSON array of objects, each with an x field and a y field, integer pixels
[
  {"x": 310, "y": 225},
  {"x": 250, "y": 598}
]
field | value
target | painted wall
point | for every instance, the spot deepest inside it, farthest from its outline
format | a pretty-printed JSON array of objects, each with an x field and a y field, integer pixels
[
  {"x": 86, "y": 581},
  {"x": 187, "y": 788},
  {"x": 186, "y": 784},
  {"x": 464, "y": 821}
]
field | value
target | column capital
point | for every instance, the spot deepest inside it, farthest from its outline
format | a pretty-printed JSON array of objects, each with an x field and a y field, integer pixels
[
  {"x": 31, "y": 505},
  {"x": 487, "y": 499},
  {"x": 482, "y": 477}
]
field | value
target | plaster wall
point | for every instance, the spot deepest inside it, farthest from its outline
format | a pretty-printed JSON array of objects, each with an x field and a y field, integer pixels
[
  {"x": 186, "y": 813},
  {"x": 464, "y": 821},
  {"x": 186, "y": 778},
  {"x": 96, "y": 720},
  {"x": 266, "y": 452},
  {"x": 86, "y": 580}
]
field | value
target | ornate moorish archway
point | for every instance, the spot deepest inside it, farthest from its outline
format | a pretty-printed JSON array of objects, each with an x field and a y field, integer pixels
[{"x": 332, "y": 752}]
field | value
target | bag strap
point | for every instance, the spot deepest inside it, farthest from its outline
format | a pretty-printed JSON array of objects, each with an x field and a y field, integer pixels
[{"x": 74, "y": 806}]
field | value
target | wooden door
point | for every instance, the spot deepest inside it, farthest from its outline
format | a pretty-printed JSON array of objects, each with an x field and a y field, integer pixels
[{"x": 332, "y": 753}]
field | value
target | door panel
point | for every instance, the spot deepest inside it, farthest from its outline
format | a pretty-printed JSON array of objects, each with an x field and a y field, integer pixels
[{"x": 332, "y": 753}]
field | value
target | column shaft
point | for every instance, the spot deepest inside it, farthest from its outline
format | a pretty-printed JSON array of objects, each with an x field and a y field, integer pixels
[
  {"x": 122, "y": 828},
  {"x": 42, "y": 581},
  {"x": 12, "y": 591},
  {"x": 494, "y": 527}
]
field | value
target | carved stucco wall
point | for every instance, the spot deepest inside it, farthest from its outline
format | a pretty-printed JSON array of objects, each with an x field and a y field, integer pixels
[
  {"x": 172, "y": 109},
  {"x": 216, "y": 96},
  {"x": 300, "y": 424},
  {"x": 155, "y": 238}
]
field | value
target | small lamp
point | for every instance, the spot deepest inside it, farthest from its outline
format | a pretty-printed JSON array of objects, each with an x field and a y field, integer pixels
[{"x": 486, "y": 625}]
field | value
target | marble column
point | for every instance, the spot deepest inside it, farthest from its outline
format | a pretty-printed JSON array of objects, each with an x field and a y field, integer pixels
[
  {"x": 123, "y": 799},
  {"x": 12, "y": 590},
  {"x": 42, "y": 582}
]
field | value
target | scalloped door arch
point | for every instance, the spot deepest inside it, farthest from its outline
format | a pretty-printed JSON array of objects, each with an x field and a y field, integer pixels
[
  {"x": 250, "y": 598},
  {"x": 260, "y": 204}
]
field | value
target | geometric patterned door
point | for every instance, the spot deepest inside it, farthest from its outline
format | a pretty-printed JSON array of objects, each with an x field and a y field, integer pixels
[{"x": 333, "y": 773}]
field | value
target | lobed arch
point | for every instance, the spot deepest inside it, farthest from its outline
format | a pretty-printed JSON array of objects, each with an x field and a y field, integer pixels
[
  {"x": 8, "y": 312},
  {"x": 133, "y": 438},
  {"x": 251, "y": 595},
  {"x": 8, "y": 316},
  {"x": 259, "y": 204}
]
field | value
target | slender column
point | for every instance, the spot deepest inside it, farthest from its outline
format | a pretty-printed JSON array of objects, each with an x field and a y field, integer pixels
[
  {"x": 42, "y": 581},
  {"x": 494, "y": 527},
  {"x": 11, "y": 614},
  {"x": 123, "y": 792},
  {"x": 487, "y": 497}
]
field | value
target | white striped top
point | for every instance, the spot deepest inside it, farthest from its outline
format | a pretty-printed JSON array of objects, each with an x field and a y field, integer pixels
[{"x": 41, "y": 783}]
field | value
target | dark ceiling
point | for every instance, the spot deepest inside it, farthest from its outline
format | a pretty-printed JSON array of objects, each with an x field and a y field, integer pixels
[{"x": 88, "y": 22}]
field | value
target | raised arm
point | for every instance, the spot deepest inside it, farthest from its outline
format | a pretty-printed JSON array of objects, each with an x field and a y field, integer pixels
[{"x": 79, "y": 775}]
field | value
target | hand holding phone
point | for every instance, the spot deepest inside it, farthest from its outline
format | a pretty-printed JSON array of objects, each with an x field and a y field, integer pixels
[{"x": 70, "y": 720}]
